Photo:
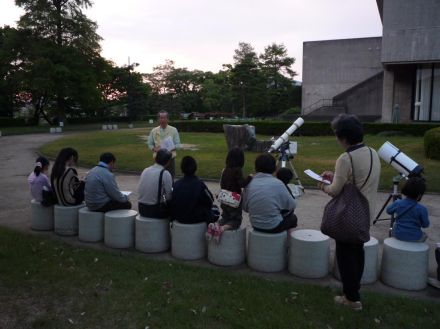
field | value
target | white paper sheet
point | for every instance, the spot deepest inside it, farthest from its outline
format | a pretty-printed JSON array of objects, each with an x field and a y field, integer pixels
[
  {"x": 168, "y": 144},
  {"x": 315, "y": 176}
]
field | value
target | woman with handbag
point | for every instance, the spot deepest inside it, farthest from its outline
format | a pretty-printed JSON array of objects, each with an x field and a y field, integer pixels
[
  {"x": 356, "y": 170},
  {"x": 69, "y": 189}
]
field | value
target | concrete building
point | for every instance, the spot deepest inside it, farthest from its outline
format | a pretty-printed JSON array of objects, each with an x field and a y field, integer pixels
[{"x": 393, "y": 78}]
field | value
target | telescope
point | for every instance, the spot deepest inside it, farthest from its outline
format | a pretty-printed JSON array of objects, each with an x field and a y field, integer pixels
[
  {"x": 399, "y": 160},
  {"x": 285, "y": 137}
]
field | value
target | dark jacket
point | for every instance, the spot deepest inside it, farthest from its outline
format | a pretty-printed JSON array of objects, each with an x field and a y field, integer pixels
[{"x": 191, "y": 201}]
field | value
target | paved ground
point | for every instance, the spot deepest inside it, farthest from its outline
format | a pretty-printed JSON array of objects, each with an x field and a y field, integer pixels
[{"x": 18, "y": 153}]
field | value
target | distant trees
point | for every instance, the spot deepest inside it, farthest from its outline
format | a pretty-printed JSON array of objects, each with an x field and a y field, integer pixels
[{"x": 52, "y": 63}]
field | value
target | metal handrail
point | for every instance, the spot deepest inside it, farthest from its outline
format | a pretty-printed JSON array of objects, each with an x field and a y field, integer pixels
[{"x": 325, "y": 102}]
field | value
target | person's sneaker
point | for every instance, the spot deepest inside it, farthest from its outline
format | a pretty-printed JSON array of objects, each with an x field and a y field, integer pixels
[
  {"x": 217, "y": 232},
  {"x": 210, "y": 232},
  {"x": 342, "y": 300}
]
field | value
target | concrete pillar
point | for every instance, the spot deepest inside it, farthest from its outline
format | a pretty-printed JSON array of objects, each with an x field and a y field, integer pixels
[{"x": 388, "y": 94}]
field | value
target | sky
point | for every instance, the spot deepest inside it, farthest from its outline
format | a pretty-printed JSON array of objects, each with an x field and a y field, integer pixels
[{"x": 203, "y": 34}]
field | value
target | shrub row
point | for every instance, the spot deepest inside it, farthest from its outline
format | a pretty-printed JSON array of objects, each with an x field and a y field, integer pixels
[
  {"x": 97, "y": 120},
  {"x": 431, "y": 142},
  {"x": 308, "y": 129}
]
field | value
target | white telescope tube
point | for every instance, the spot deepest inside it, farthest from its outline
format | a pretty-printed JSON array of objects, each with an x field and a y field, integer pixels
[
  {"x": 399, "y": 160},
  {"x": 285, "y": 137}
]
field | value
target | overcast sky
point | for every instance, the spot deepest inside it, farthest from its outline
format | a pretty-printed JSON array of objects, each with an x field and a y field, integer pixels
[{"x": 202, "y": 34}]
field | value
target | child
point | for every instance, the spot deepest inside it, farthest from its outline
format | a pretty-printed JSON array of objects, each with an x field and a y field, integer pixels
[
  {"x": 285, "y": 175},
  {"x": 410, "y": 215},
  {"x": 232, "y": 180},
  {"x": 38, "y": 179}
]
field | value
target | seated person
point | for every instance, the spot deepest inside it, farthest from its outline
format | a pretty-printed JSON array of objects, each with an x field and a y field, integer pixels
[
  {"x": 101, "y": 191},
  {"x": 155, "y": 187},
  {"x": 68, "y": 188},
  {"x": 38, "y": 179},
  {"x": 410, "y": 216},
  {"x": 285, "y": 175},
  {"x": 191, "y": 201},
  {"x": 266, "y": 199}
]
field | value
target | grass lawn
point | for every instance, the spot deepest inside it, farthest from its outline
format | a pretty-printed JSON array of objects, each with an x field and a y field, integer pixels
[
  {"x": 49, "y": 284},
  {"x": 316, "y": 153}
]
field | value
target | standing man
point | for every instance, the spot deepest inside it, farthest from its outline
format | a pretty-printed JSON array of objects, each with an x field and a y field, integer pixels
[
  {"x": 101, "y": 191},
  {"x": 166, "y": 137}
]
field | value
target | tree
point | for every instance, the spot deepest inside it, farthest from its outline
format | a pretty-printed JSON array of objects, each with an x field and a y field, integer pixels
[
  {"x": 247, "y": 83},
  {"x": 61, "y": 56},
  {"x": 276, "y": 67}
]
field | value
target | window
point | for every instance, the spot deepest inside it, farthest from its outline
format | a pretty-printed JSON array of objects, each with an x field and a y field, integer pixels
[{"x": 427, "y": 93}]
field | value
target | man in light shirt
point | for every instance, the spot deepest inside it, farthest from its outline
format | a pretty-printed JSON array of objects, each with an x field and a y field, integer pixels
[{"x": 165, "y": 136}]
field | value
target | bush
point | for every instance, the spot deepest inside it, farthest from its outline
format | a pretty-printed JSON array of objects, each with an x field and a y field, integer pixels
[
  {"x": 308, "y": 129},
  {"x": 97, "y": 120},
  {"x": 431, "y": 142}
]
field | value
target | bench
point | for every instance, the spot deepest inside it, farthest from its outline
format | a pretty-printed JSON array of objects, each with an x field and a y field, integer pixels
[
  {"x": 66, "y": 219},
  {"x": 91, "y": 225},
  {"x": 371, "y": 249},
  {"x": 188, "y": 240},
  {"x": 405, "y": 264},
  {"x": 152, "y": 234},
  {"x": 231, "y": 250},
  {"x": 41, "y": 217},
  {"x": 309, "y": 254},
  {"x": 267, "y": 252},
  {"x": 119, "y": 228}
]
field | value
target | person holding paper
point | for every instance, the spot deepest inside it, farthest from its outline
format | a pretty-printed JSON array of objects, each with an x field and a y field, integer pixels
[
  {"x": 102, "y": 193},
  {"x": 167, "y": 137},
  {"x": 366, "y": 165}
]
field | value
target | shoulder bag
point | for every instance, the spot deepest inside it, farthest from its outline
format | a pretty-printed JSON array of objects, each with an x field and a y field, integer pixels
[
  {"x": 346, "y": 217},
  {"x": 229, "y": 198}
]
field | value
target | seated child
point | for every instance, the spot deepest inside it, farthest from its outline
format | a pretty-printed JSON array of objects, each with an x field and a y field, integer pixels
[
  {"x": 285, "y": 175},
  {"x": 410, "y": 215},
  {"x": 38, "y": 179}
]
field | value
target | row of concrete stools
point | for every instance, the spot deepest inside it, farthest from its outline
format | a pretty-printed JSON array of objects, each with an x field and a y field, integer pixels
[{"x": 306, "y": 253}]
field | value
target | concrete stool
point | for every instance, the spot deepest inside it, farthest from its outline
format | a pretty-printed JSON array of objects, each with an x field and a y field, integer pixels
[
  {"x": 41, "y": 217},
  {"x": 91, "y": 225},
  {"x": 119, "y": 228},
  {"x": 267, "y": 252},
  {"x": 152, "y": 234},
  {"x": 405, "y": 264},
  {"x": 66, "y": 219},
  {"x": 231, "y": 250},
  {"x": 309, "y": 254},
  {"x": 188, "y": 240},
  {"x": 371, "y": 249}
]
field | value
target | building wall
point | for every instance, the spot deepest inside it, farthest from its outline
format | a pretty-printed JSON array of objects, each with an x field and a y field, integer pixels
[
  {"x": 365, "y": 99},
  {"x": 333, "y": 66},
  {"x": 411, "y": 31}
]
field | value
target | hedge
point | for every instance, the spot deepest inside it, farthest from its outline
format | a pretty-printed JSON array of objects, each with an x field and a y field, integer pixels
[
  {"x": 308, "y": 129},
  {"x": 431, "y": 142},
  {"x": 97, "y": 120}
]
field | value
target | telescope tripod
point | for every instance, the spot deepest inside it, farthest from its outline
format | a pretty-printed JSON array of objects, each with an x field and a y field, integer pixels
[{"x": 395, "y": 195}]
